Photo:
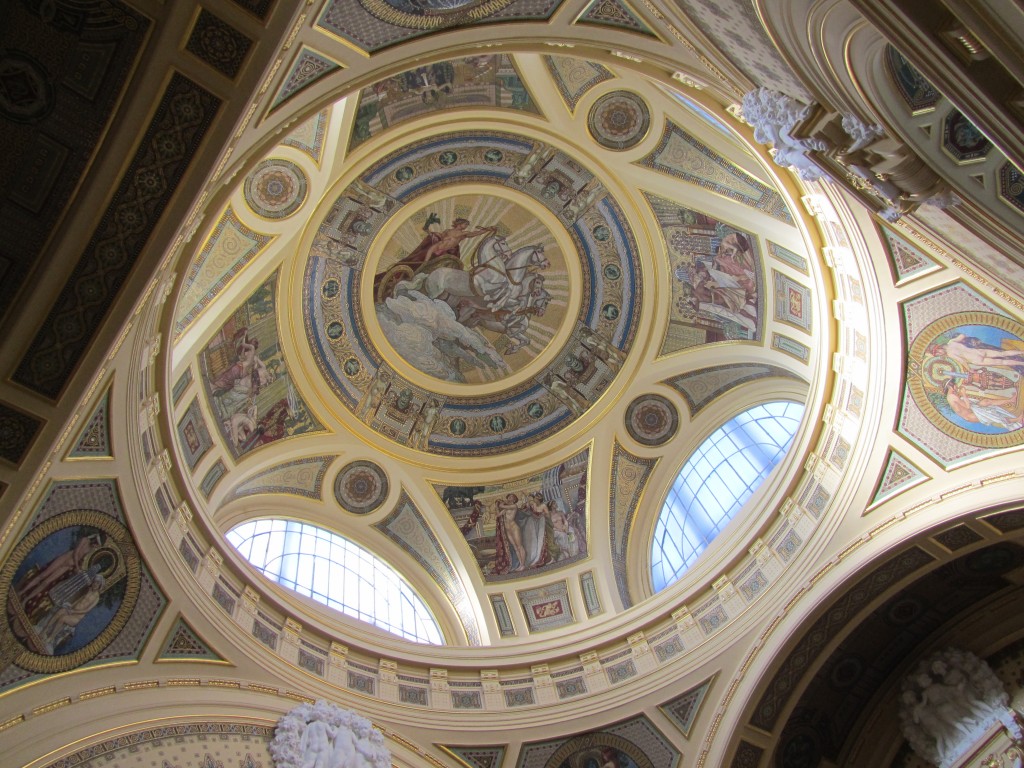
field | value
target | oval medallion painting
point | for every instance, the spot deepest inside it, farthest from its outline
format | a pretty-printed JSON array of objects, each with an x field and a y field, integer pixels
[
  {"x": 470, "y": 288},
  {"x": 966, "y": 373},
  {"x": 69, "y": 587}
]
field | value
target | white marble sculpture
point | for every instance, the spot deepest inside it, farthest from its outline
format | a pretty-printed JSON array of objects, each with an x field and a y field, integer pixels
[
  {"x": 861, "y": 133},
  {"x": 773, "y": 116},
  {"x": 947, "y": 704},
  {"x": 323, "y": 735}
]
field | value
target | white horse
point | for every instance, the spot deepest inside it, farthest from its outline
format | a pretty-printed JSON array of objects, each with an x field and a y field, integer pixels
[
  {"x": 499, "y": 293},
  {"x": 497, "y": 281}
]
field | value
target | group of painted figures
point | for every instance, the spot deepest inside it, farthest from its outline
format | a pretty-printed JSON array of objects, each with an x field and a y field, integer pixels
[
  {"x": 56, "y": 595},
  {"x": 500, "y": 291},
  {"x": 977, "y": 383},
  {"x": 236, "y": 393},
  {"x": 533, "y": 531},
  {"x": 727, "y": 284}
]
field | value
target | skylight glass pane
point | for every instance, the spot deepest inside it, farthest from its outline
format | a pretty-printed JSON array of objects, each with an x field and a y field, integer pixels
[
  {"x": 336, "y": 572},
  {"x": 724, "y": 471}
]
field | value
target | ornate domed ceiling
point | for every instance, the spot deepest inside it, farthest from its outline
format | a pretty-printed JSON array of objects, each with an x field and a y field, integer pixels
[
  {"x": 482, "y": 290},
  {"x": 461, "y": 299}
]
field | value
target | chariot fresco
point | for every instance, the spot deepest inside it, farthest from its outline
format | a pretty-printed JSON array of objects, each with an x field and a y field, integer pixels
[{"x": 499, "y": 266}]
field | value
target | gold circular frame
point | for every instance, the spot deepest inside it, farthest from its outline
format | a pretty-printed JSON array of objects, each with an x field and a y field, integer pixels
[
  {"x": 915, "y": 377},
  {"x": 435, "y": 20},
  {"x": 11, "y": 649},
  {"x": 594, "y": 741}
]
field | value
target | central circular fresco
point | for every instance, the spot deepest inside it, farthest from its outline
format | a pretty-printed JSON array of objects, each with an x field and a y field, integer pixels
[
  {"x": 472, "y": 295},
  {"x": 496, "y": 279}
]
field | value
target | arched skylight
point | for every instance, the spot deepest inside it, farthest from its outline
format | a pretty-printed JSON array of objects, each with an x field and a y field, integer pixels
[
  {"x": 718, "y": 478},
  {"x": 338, "y": 573}
]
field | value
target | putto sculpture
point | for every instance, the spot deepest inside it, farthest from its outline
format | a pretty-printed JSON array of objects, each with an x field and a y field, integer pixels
[
  {"x": 323, "y": 735},
  {"x": 773, "y": 115},
  {"x": 948, "y": 702}
]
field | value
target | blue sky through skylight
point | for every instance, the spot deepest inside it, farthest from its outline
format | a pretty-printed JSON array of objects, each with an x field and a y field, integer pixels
[
  {"x": 718, "y": 478},
  {"x": 338, "y": 573}
]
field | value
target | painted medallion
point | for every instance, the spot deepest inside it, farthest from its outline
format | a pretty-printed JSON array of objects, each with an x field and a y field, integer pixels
[
  {"x": 966, "y": 373},
  {"x": 470, "y": 288},
  {"x": 68, "y": 589},
  {"x": 473, "y": 294}
]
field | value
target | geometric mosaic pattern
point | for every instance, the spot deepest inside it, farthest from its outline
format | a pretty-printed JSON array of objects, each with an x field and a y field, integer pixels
[
  {"x": 702, "y": 386},
  {"x": 681, "y": 155},
  {"x": 1011, "y": 186},
  {"x": 308, "y": 67},
  {"x": 784, "y": 254},
  {"x": 80, "y": 69},
  {"x": 683, "y": 709},
  {"x": 629, "y": 478},
  {"x": 182, "y": 118},
  {"x": 194, "y": 434},
  {"x": 201, "y": 744},
  {"x": 257, "y": 8},
  {"x": 94, "y": 439},
  {"x": 546, "y": 607},
  {"x": 218, "y": 44},
  {"x": 907, "y": 260},
  {"x": 614, "y": 13},
  {"x": 360, "y": 487},
  {"x": 792, "y": 302},
  {"x": 747, "y": 755},
  {"x": 735, "y": 29},
  {"x": 791, "y": 347},
  {"x": 479, "y": 757},
  {"x": 633, "y": 742},
  {"x": 213, "y": 476},
  {"x": 916, "y": 91},
  {"x": 17, "y": 431},
  {"x": 375, "y": 24},
  {"x": 619, "y": 120},
  {"x": 574, "y": 77},
  {"x": 859, "y": 661},
  {"x": 309, "y": 136},
  {"x": 183, "y": 644},
  {"x": 230, "y": 246},
  {"x": 276, "y": 188},
  {"x": 899, "y": 475},
  {"x": 301, "y": 477},
  {"x": 817, "y": 637},
  {"x": 651, "y": 420}
]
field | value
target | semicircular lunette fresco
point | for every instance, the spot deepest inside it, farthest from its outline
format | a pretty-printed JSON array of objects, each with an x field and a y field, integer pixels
[{"x": 505, "y": 261}]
